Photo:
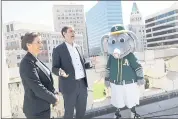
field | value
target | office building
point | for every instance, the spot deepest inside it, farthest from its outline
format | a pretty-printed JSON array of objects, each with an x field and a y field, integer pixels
[
  {"x": 162, "y": 28},
  {"x": 137, "y": 26},
  {"x": 50, "y": 40},
  {"x": 99, "y": 20},
  {"x": 71, "y": 15}
]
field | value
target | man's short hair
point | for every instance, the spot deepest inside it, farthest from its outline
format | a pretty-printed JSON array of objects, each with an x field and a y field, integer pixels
[{"x": 64, "y": 29}]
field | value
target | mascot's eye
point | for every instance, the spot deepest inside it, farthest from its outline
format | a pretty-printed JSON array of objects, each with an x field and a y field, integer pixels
[
  {"x": 122, "y": 40},
  {"x": 113, "y": 41}
]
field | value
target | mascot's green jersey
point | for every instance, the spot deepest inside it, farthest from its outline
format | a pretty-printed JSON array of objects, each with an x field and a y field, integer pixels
[{"x": 123, "y": 69}]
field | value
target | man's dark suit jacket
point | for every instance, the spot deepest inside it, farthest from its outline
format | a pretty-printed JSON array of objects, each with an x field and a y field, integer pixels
[
  {"x": 38, "y": 86},
  {"x": 62, "y": 59}
]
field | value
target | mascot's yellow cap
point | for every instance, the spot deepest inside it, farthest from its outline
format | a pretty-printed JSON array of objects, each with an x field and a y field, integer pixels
[{"x": 118, "y": 29}]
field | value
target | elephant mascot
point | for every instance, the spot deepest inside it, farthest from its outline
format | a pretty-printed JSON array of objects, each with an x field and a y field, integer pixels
[{"x": 125, "y": 73}]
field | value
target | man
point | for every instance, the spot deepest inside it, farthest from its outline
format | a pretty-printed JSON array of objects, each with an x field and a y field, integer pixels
[{"x": 68, "y": 64}]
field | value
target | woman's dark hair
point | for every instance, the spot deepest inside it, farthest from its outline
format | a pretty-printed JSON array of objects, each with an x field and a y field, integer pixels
[{"x": 28, "y": 38}]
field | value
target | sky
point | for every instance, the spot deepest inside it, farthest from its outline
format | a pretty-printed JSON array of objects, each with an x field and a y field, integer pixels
[{"x": 40, "y": 12}]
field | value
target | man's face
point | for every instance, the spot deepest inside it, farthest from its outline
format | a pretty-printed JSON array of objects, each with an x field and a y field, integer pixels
[{"x": 70, "y": 34}]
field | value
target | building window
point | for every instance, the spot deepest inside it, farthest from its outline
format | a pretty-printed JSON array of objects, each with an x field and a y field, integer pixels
[
  {"x": 12, "y": 28},
  {"x": 18, "y": 56},
  {"x": 148, "y": 35},
  {"x": 150, "y": 25},
  {"x": 149, "y": 20},
  {"x": 49, "y": 48},
  {"x": 18, "y": 64},
  {"x": 165, "y": 32},
  {"x": 15, "y": 35},
  {"x": 7, "y": 37},
  {"x": 11, "y": 36},
  {"x": 7, "y": 26}
]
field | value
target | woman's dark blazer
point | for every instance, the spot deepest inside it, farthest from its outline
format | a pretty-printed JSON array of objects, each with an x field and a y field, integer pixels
[{"x": 38, "y": 86}]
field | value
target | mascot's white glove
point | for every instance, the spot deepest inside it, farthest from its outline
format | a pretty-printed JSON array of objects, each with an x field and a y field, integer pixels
[
  {"x": 141, "y": 82},
  {"x": 106, "y": 74},
  {"x": 139, "y": 73}
]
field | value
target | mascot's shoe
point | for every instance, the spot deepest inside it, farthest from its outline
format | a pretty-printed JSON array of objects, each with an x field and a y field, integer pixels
[
  {"x": 117, "y": 114},
  {"x": 134, "y": 114}
]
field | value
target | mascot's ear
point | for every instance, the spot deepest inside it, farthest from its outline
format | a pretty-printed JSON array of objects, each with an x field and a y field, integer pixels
[
  {"x": 134, "y": 38},
  {"x": 104, "y": 44}
]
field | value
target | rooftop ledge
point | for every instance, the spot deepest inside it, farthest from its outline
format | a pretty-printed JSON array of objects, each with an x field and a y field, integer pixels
[{"x": 143, "y": 101}]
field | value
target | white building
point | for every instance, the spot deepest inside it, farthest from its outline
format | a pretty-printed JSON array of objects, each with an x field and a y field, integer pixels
[
  {"x": 138, "y": 27},
  {"x": 71, "y": 15},
  {"x": 50, "y": 40},
  {"x": 162, "y": 28},
  {"x": 13, "y": 57},
  {"x": 15, "y": 25},
  {"x": 5, "y": 99}
]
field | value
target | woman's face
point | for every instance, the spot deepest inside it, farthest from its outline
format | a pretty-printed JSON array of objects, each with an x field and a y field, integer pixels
[{"x": 36, "y": 46}]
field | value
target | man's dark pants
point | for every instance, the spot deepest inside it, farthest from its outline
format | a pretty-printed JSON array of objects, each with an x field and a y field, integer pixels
[{"x": 77, "y": 100}]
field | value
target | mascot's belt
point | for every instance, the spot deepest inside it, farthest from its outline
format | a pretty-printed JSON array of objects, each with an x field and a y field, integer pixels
[{"x": 122, "y": 82}]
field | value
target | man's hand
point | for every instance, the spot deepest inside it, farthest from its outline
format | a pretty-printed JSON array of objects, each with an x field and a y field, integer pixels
[
  {"x": 140, "y": 82},
  {"x": 63, "y": 73}
]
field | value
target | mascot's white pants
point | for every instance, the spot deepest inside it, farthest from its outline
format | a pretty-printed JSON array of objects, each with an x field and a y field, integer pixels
[{"x": 125, "y": 95}]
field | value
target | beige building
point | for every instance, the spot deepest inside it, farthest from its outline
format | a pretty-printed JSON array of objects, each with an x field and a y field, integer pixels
[
  {"x": 71, "y": 15},
  {"x": 50, "y": 40},
  {"x": 162, "y": 28},
  {"x": 13, "y": 57},
  {"x": 137, "y": 26}
]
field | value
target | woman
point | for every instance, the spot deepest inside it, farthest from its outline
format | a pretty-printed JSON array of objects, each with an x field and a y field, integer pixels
[{"x": 37, "y": 80}]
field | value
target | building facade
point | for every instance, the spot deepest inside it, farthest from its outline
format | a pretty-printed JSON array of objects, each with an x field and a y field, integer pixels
[
  {"x": 71, "y": 15},
  {"x": 162, "y": 29},
  {"x": 137, "y": 26},
  {"x": 99, "y": 20},
  {"x": 50, "y": 40}
]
